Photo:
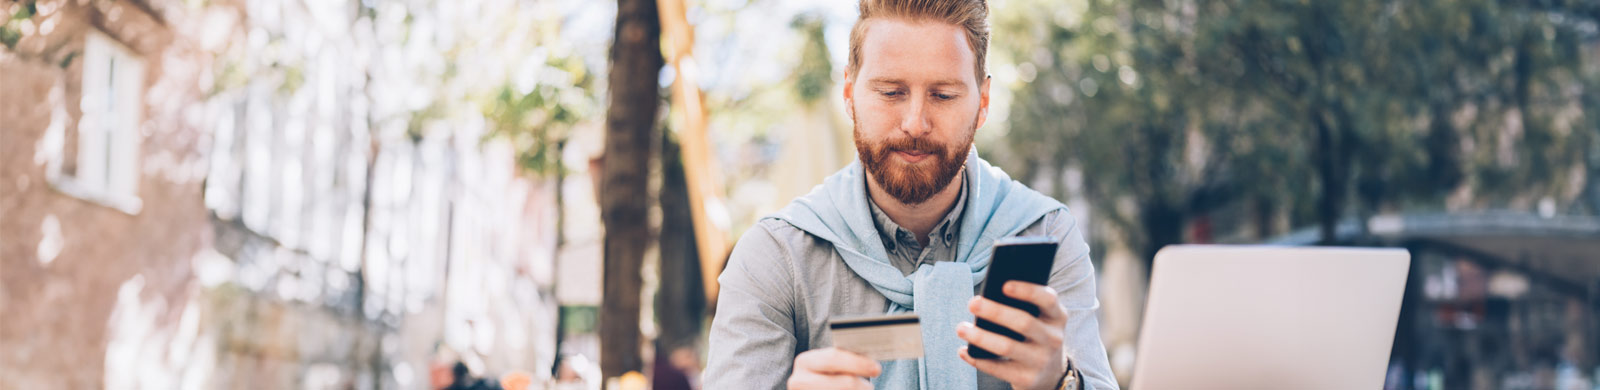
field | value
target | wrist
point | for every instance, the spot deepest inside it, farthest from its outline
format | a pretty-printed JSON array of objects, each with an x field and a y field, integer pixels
[{"x": 1069, "y": 379}]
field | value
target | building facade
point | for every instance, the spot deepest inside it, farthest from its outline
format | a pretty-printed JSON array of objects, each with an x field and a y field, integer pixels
[{"x": 239, "y": 194}]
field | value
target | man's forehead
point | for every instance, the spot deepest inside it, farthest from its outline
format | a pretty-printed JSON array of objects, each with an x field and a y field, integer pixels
[{"x": 908, "y": 51}]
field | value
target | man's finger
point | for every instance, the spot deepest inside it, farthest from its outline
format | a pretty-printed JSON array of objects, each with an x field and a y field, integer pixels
[
  {"x": 1012, "y": 318},
  {"x": 1006, "y": 370},
  {"x": 812, "y": 380},
  {"x": 1000, "y": 345},
  {"x": 834, "y": 361},
  {"x": 1042, "y": 296}
]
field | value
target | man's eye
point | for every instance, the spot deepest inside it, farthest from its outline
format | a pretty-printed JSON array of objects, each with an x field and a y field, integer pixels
[
  {"x": 943, "y": 96},
  {"x": 891, "y": 93}
]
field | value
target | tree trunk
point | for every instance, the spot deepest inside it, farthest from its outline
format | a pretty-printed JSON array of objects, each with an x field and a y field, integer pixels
[
  {"x": 1163, "y": 225},
  {"x": 561, "y": 238},
  {"x": 1593, "y": 164},
  {"x": 624, "y": 201},
  {"x": 1331, "y": 176},
  {"x": 1263, "y": 208},
  {"x": 680, "y": 302}
]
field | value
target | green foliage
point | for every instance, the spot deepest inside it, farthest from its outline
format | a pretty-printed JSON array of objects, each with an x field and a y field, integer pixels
[
  {"x": 537, "y": 121},
  {"x": 814, "y": 76},
  {"x": 26, "y": 11},
  {"x": 11, "y": 29},
  {"x": 9, "y": 36},
  {"x": 1321, "y": 108}
]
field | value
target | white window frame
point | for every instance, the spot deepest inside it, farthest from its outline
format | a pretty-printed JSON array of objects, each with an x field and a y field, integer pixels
[{"x": 109, "y": 134}]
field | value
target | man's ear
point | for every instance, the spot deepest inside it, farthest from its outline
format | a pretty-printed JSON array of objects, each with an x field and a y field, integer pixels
[
  {"x": 849, "y": 95},
  {"x": 983, "y": 100}
]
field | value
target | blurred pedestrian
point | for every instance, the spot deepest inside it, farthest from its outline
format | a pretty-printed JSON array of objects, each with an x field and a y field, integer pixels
[
  {"x": 462, "y": 380},
  {"x": 675, "y": 370}
]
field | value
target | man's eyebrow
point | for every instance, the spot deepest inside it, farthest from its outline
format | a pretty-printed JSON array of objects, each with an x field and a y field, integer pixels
[
  {"x": 935, "y": 83},
  {"x": 886, "y": 80}
]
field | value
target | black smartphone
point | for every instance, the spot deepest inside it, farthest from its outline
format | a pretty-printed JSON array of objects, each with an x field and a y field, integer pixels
[{"x": 1026, "y": 259}]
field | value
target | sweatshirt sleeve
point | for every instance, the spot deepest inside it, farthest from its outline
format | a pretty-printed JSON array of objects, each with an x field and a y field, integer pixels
[
  {"x": 1073, "y": 278},
  {"x": 752, "y": 339}
]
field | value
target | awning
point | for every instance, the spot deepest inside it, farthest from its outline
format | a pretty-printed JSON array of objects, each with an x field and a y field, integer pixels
[{"x": 1563, "y": 248}]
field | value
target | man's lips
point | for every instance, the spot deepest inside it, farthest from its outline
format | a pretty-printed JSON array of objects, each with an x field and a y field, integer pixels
[{"x": 912, "y": 156}]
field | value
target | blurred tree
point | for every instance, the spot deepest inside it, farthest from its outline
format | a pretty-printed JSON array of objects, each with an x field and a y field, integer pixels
[
  {"x": 634, "y": 98},
  {"x": 537, "y": 122},
  {"x": 813, "y": 77},
  {"x": 1178, "y": 109},
  {"x": 11, "y": 28},
  {"x": 680, "y": 303},
  {"x": 1592, "y": 104}
]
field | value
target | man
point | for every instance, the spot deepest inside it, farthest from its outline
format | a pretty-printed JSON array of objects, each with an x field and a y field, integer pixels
[{"x": 908, "y": 227}]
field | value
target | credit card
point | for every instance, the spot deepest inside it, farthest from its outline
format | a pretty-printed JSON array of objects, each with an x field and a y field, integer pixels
[{"x": 889, "y": 337}]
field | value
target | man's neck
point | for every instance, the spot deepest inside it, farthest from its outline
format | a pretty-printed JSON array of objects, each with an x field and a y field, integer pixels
[{"x": 919, "y": 218}]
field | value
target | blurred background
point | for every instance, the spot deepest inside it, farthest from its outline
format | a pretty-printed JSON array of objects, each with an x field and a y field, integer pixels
[{"x": 539, "y": 194}]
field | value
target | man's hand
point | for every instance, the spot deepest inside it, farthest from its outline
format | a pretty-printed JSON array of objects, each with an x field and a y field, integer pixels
[
  {"x": 832, "y": 368},
  {"x": 1035, "y": 363}
]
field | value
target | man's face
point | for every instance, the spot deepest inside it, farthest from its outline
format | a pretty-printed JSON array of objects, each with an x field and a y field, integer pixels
[{"x": 916, "y": 103}]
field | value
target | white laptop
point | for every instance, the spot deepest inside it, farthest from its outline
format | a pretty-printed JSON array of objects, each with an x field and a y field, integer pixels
[{"x": 1262, "y": 317}]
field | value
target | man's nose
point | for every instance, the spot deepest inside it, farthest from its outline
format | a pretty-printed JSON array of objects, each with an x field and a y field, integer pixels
[{"x": 916, "y": 123}]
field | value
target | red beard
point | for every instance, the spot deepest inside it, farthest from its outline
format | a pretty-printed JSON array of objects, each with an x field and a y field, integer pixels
[{"x": 912, "y": 183}]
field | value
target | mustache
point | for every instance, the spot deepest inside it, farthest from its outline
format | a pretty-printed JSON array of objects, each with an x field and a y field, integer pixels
[{"x": 913, "y": 145}]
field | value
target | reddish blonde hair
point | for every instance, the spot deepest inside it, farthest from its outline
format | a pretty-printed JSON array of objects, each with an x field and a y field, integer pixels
[{"x": 970, "y": 15}]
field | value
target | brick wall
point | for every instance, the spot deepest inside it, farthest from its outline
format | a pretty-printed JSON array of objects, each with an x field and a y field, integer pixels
[
  {"x": 296, "y": 226},
  {"x": 57, "y": 303}
]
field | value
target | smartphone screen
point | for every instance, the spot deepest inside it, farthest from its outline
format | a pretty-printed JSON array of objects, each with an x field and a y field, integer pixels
[{"x": 1026, "y": 259}]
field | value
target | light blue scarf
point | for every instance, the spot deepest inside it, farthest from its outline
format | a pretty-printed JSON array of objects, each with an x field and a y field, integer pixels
[{"x": 997, "y": 207}]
